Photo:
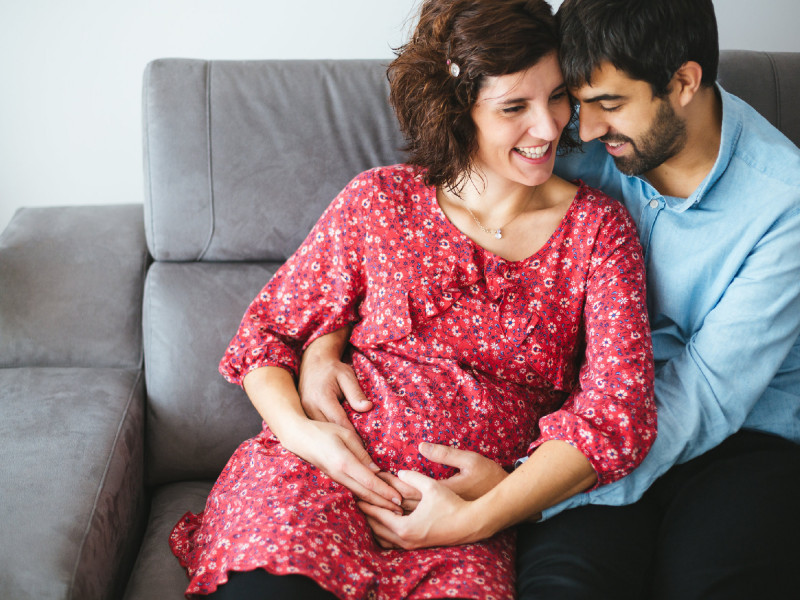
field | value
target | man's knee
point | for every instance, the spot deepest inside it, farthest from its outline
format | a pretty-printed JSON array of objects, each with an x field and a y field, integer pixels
[
  {"x": 589, "y": 552},
  {"x": 730, "y": 525}
]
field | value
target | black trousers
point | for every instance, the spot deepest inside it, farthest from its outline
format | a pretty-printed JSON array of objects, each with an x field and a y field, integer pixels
[
  {"x": 725, "y": 526},
  {"x": 261, "y": 585}
]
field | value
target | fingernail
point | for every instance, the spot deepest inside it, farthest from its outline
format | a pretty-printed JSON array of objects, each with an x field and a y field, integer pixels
[
  {"x": 374, "y": 467},
  {"x": 424, "y": 446},
  {"x": 397, "y": 501}
]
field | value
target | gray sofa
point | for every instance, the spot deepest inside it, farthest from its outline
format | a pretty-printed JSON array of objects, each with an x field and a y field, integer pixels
[{"x": 113, "y": 418}]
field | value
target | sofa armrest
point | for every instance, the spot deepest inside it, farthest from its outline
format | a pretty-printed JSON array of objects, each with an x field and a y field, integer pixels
[
  {"x": 72, "y": 281},
  {"x": 72, "y": 501}
]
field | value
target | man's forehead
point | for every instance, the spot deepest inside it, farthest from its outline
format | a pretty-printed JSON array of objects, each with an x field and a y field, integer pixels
[{"x": 606, "y": 81}]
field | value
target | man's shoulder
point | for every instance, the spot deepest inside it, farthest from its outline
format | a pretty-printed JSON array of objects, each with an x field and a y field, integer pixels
[{"x": 762, "y": 154}]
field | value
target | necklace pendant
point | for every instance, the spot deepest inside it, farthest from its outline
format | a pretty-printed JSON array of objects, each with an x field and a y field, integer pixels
[{"x": 498, "y": 234}]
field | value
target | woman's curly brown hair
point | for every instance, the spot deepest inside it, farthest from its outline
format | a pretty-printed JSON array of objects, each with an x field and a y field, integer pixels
[{"x": 484, "y": 38}]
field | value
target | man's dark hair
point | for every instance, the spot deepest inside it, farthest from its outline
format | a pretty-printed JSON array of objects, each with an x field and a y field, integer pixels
[{"x": 649, "y": 40}]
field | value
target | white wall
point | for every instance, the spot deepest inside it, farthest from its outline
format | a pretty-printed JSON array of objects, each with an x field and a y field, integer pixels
[{"x": 71, "y": 73}]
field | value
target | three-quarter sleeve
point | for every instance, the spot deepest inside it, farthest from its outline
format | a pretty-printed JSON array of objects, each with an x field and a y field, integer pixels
[
  {"x": 316, "y": 291},
  {"x": 610, "y": 415}
]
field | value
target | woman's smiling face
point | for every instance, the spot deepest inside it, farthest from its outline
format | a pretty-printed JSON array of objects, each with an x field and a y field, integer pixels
[{"x": 519, "y": 119}]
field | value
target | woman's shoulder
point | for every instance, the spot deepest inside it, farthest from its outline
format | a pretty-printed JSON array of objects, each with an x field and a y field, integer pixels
[
  {"x": 583, "y": 197},
  {"x": 596, "y": 202},
  {"x": 384, "y": 193},
  {"x": 593, "y": 215},
  {"x": 402, "y": 176},
  {"x": 595, "y": 197}
]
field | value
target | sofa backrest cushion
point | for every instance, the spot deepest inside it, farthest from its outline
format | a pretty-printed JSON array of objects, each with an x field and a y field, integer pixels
[
  {"x": 195, "y": 419},
  {"x": 241, "y": 157},
  {"x": 769, "y": 82}
]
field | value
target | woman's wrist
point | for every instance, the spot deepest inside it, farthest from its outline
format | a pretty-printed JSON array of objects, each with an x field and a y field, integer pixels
[
  {"x": 295, "y": 433},
  {"x": 328, "y": 347},
  {"x": 274, "y": 395}
]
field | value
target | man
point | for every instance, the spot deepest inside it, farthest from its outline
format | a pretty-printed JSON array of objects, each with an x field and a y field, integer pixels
[{"x": 715, "y": 192}]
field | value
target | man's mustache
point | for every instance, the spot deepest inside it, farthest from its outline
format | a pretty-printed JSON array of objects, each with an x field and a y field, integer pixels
[{"x": 615, "y": 139}]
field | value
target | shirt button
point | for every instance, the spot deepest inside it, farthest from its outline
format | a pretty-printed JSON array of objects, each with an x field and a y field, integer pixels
[{"x": 653, "y": 203}]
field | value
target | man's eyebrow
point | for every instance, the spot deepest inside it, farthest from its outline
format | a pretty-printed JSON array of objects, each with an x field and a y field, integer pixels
[{"x": 602, "y": 98}]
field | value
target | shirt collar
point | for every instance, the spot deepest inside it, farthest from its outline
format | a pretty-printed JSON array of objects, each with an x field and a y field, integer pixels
[{"x": 732, "y": 121}]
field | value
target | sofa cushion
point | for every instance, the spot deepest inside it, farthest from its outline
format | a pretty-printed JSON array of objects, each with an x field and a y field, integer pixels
[
  {"x": 768, "y": 82},
  {"x": 195, "y": 419},
  {"x": 72, "y": 287},
  {"x": 241, "y": 157},
  {"x": 72, "y": 476},
  {"x": 157, "y": 573}
]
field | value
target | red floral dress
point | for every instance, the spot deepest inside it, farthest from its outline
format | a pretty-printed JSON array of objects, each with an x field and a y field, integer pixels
[{"x": 453, "y": 345}]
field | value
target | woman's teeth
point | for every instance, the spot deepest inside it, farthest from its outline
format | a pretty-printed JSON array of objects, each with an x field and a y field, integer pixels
[{"x": 534, "y": 151}]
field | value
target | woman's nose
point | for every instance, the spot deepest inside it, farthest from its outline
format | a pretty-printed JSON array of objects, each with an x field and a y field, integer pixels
[{"x": 545, "y": 125}]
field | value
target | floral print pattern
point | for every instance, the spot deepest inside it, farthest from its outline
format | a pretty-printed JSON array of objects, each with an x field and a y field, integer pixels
[{"x": 454, "y": 345}]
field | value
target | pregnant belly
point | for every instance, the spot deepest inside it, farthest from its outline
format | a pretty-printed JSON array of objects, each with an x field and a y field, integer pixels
[{"x": 444, "y": 404}]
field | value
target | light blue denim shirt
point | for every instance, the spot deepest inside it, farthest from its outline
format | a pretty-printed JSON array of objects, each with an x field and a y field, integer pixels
[{"x": 723, "y": 287}]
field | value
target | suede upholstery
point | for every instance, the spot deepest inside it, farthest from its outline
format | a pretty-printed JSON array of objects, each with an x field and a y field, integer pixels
[
  {"x": 74, "y": 253},
  {"x": 114, "y": 420},
  {"x": 243, "y": 156}
]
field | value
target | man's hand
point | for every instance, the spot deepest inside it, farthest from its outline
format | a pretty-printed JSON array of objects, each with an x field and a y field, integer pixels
[
  {"x": 440, "y": 519},
  {"x": 552, "y": 474},
  {"x": 476, "y": 474},
  {"x": 325, "y": 381}
]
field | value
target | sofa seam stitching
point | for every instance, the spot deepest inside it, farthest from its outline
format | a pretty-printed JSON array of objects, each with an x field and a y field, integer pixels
[
  {"x": 777, "y": 81},
  {"x": 209, "y": 164},
  {"x": 101, "y": 487},
  {"x": 145, "y": 270},
  {"x": 147, "y": 160}
]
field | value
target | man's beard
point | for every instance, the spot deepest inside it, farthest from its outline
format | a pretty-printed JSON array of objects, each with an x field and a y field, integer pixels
[{"x": 665, "y": 138}]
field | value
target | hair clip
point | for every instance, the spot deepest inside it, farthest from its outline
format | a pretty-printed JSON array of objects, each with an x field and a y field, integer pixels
[{"x": 455, "y": 70}]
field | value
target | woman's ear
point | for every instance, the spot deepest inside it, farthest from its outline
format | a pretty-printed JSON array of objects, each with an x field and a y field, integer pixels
[{"x": 686, "y": 81}]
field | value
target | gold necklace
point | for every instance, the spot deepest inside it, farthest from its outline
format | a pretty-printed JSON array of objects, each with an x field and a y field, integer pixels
[{"x": 497, "y": 233}]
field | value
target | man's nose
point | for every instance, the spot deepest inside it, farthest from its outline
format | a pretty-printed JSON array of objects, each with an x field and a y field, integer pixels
[{"x": 591, "y": 126}]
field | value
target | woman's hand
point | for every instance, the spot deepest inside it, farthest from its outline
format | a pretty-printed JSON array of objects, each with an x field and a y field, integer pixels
[
  {"x": 335, "y": 450},
  {"x": 340, "y": 454},
  {"x": 476, "y": 474},
  {"x": 441, "y": 518},
  {"x": 323, "y": 383}
]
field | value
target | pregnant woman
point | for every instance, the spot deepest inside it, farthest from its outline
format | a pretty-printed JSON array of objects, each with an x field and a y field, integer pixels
[{"x": 494, "y": 307}]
